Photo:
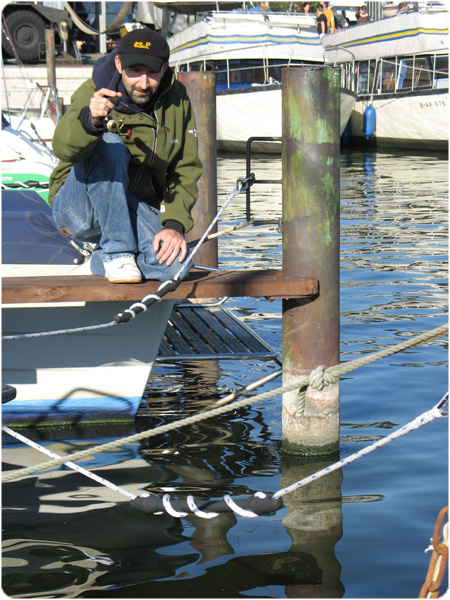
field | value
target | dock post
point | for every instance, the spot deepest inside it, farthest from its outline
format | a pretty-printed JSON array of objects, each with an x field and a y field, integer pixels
[
  {"x": 310, "y": 170},
  {"x": 50, "y": 56},
  {"x": 201, "y": 89}
]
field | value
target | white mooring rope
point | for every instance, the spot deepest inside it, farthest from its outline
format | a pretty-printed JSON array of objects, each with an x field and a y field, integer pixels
[{"x": 440, "y": 410}]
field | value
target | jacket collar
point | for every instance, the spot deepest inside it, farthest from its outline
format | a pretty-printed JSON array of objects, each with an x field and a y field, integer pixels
[{"x": 106, "y": 75}]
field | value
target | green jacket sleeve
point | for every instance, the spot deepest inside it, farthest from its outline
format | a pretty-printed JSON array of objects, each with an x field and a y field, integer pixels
[{"x": 71, "y": 142}]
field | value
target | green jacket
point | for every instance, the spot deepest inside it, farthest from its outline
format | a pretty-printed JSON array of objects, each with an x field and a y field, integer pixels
[{"x": 164, "y": 164}]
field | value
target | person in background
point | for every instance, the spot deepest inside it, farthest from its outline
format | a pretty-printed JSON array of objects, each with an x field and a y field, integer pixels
[
  {"x": 321, "y": 21},
  {"x": 344, "y": 14},
  {"x": 305, "y": 8},
  {"x": 363, "y": 17},
  {"x": 265, "y": 10},
  {"x": 263, "y": 7},
  {"x": 402, "y": 9},
  {"x": 128, "y": 150},
  {"x": 329, "y": 14}
]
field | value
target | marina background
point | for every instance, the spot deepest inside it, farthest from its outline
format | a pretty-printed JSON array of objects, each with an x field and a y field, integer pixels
[{"x": 360, "y": 533}]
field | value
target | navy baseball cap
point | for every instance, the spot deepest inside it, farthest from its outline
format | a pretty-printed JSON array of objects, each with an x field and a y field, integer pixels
[{"x": 144, "y": 47}]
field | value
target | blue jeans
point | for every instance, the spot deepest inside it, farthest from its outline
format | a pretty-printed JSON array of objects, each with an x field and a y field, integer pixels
[{"x": 95, "y": 206}]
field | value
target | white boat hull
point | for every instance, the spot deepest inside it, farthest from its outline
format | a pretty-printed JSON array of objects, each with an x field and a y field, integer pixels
[
  {"x": 412, "y": 121},
  {"x": 25, "y": 163},
  {"x": 99, "y": 375},
  {"x": 256, "y": 112},
  {"x": 399, "y": 66}
]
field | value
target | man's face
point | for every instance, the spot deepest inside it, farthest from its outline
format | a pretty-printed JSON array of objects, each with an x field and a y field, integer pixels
[{"x": 140, "y": 82}]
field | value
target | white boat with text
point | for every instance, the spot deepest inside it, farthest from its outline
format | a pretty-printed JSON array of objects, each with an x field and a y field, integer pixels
[
  {"x": 398, "y": 67},
  {"x": 248, "y": 50}
]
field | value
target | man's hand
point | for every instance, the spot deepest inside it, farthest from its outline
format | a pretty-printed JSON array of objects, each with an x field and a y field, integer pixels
[
  {"x": 100, "y": 105},
  {"x": 172, "y": 245}
]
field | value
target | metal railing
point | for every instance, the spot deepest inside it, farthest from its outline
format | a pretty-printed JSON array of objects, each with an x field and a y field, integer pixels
[{"x": 399, "y": 75}]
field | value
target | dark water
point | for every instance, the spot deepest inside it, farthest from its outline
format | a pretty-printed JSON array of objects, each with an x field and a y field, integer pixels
[{"x": 359, "y": 532}]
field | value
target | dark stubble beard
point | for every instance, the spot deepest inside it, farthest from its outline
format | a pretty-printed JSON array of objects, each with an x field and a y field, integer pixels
[{"x": 138, "y": 99}]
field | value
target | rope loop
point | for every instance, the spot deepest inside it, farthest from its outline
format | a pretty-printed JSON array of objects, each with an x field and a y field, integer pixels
[
  {"x": 242, "y": 512},
  {"x": 170, "y": 510},
  {"x": 245, "y": 183},
  {"x": 440, "y": 410},
  {"x": 199, "y": 513},
  {"x": 320, "y": 377},
  {"x": 154, "y": 297},
  {"x": 316, "y": 378},
  {"x": 140, "y": 305}
]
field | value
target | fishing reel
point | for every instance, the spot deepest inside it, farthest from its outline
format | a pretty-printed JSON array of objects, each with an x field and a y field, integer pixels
[{"x": 113, "y": 125}]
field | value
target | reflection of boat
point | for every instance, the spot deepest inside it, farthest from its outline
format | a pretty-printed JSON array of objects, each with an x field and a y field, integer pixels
[
  {"x": 248, "y": 51},
  {"x": 96, "y": 375},
  {"x": 399, "y": 69}
]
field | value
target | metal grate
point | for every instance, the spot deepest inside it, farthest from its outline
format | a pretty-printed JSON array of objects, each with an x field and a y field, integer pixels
[{"x": 204, "y": 332}]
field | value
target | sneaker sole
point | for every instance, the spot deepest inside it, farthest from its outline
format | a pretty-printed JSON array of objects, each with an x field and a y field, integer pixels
[{"x": 135, "y": 280}]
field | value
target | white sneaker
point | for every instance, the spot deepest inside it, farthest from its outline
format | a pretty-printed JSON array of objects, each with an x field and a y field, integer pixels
[
  {"x": 122, "y": 270},
  {"x": 84, "y": 269}
]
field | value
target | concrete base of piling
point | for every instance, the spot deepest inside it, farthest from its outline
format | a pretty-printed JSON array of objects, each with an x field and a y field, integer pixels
[{"x": 311, "y": 429}]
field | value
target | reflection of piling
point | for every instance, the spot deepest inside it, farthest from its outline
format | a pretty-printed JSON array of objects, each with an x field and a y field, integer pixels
[
  {"x": 311, "y": 109},
  {"x": 201, "y": 88},
  {"x": 314, "y": 523}
]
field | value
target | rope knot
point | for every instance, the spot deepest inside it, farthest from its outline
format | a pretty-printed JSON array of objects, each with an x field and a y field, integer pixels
[
  {"x": 321, "y": 377},
  {"x": 316, "y": 378}
]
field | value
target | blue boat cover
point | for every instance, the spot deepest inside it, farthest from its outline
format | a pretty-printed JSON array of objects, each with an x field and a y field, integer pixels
[{"x": 29, "y": 233}]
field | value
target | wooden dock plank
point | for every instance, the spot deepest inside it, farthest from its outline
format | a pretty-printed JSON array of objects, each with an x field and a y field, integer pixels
[
  {"x": 231, "y": 343},
  {"x": 237, "y": 330},
  {"x": 176, "y": 341},
  {"x": 207, "y": 332},
  {"x": 198, "y": 284},
  {"x": 190, "y": 335},
  {"x": 218, "y": 336}
]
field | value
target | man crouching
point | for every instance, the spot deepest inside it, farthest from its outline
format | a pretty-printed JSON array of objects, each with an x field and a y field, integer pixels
[{"x": 129, "y": 165}]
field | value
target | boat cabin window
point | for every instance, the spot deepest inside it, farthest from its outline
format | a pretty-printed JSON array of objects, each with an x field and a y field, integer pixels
[
  {"x": 441, "y": 71},
  {"x": 397, "y": 74},
  {"x": 414, "y": 73},
  {"x": 366, "y": 74},
  {"x": 200, "y": 65},
  {"x": 242, "y": 73}
]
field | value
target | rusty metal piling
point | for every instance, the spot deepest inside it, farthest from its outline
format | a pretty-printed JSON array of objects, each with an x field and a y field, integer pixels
[
  {"x": 310, "y": 168},
  {"x": 201, "y": 89}
]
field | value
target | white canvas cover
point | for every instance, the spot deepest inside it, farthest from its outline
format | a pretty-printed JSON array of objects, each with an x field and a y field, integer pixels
[
  {"x": 412, "y": 33},
  {"x": 247, "y": 35}
]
